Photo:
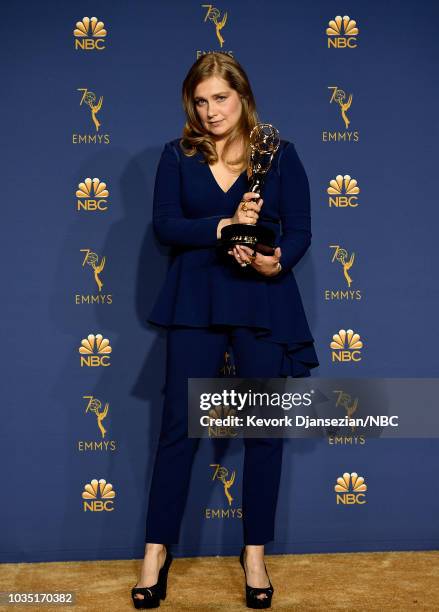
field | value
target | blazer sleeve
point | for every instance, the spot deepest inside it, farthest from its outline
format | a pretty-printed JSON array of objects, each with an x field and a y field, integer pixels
[
  {"x": 295, "y": 209},
  {"x": 171, "y": 227}
]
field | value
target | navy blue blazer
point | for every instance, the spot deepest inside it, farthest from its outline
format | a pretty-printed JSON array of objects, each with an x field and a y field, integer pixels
[{"x": 203, "y": 289}]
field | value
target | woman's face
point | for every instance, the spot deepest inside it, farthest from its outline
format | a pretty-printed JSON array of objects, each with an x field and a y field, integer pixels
[{"x": 218, "y": 106}]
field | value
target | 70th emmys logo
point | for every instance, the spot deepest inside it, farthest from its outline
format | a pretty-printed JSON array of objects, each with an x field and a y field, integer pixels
[
  {"x": 95, "y": 407},
  {"x": 89, "y": 100},
  {"x": 91, "y": 259},
  {"x": 346, "y": 346},
  {"x": 89, "y": 34},
  {"x": 222, "y": 475},
  {"x": 345, "y": 435},
  {"x": 346, "y": 261},
  {"x": 95, "y": 351},
  {"x": 214, "y": 16},
  {"x": 342, "y": 33},
  {"x": 343, "y": 192},
  {"x": 340, "y": 99},
  {"x": 92, "y": 195},
  {"x": 350, "y": 489},
  {"x": 98, "y": 489},
  {"x": 228, "y": 368}
]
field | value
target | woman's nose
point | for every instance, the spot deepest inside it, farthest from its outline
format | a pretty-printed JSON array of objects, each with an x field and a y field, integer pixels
[{"x": 211, "y": 112}]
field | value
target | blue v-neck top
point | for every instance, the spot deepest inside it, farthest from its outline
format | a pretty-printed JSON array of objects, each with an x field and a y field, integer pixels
[{"x": 206, "y": 289}]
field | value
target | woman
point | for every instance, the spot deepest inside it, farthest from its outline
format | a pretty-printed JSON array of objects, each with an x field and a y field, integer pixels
[{"x": 209, "y": 301}]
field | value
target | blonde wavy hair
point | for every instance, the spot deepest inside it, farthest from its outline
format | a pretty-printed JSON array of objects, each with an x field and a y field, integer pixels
[{"x": 195, "y": 137}]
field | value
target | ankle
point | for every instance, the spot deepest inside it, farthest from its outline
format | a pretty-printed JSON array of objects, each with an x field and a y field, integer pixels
[
  {"x": 154, "y": 549},
  {"x": 254, "y": 556},
  {"x": 154, "y": 546}
]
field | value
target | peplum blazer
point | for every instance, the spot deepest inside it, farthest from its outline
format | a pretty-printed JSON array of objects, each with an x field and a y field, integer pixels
[{"x": 204, "y": 288}]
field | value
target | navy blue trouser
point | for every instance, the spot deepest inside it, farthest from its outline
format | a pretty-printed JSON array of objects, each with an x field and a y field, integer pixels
[{"x": 199, "y": 353}]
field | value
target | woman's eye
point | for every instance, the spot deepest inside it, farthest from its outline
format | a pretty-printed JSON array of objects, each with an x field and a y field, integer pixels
[{"x": 199, "y": 102}]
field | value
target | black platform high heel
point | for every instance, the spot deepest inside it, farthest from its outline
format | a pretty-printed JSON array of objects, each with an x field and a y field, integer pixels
[
  {"x": 251, "y": 593},
  {"x": 153, "y": 594}
]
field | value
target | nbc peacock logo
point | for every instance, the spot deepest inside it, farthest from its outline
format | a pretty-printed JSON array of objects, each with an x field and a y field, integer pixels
[
  {"x": 346, "y": 345},
  {"x": 222, "y": 412},
  {"x": 92, "y": 195},
  {"x": 95, "y": 351},
  {"x": 350, "y": 489},
  {"x": 343, "y": 192},
  {"x": 90, "y": 34},
  {"x": 98, "y": 496},
  {"x": 342, "y": 33}
]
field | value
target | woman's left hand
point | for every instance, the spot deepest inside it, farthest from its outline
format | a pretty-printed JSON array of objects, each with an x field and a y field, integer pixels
[{"x": 264, "y": 264}]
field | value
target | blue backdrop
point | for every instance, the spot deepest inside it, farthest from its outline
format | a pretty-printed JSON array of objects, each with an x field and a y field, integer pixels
[{"x": 51, "y": 443}]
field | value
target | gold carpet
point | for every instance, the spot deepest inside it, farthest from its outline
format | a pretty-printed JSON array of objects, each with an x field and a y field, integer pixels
[{"x": 338, "y": 581}]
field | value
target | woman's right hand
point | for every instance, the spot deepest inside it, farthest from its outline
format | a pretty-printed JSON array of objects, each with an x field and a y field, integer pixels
[{"x": 253, "y": 209}]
